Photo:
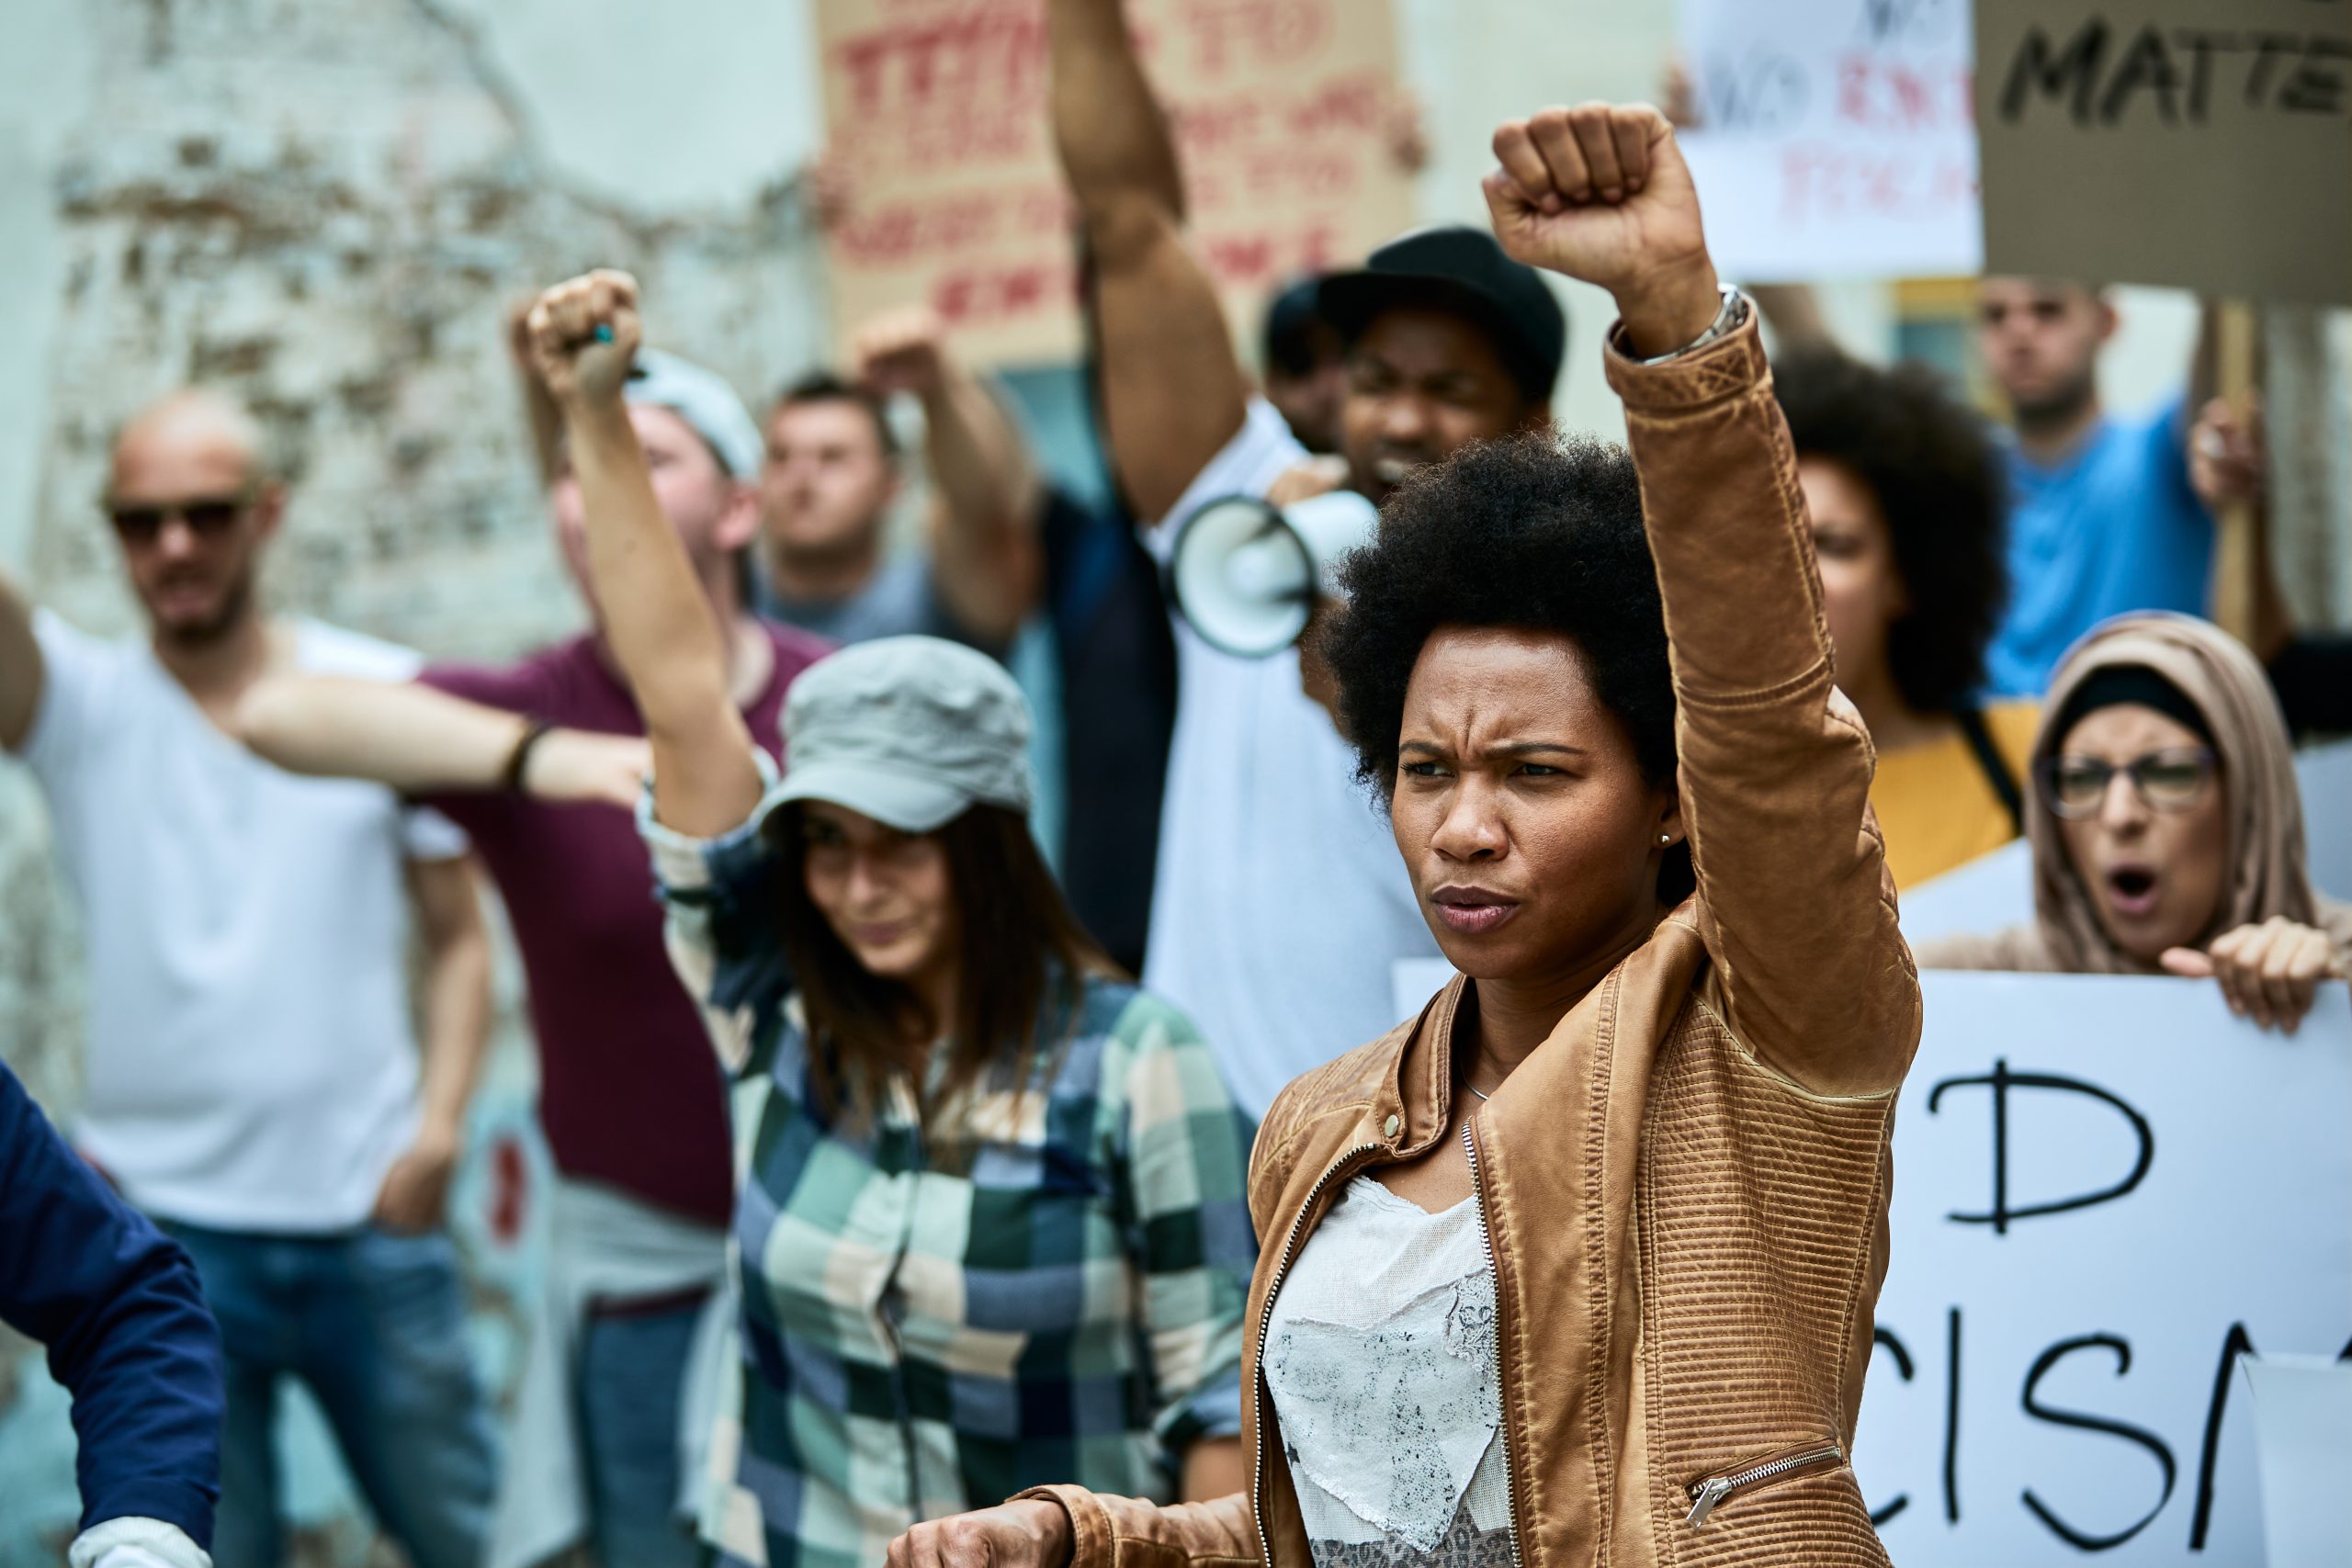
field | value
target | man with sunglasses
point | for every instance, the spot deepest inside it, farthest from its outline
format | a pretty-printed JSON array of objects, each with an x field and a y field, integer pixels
[{"x": 254, "y": 1082}]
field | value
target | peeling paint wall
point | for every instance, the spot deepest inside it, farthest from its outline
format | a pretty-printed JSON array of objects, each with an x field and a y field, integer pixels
[{"x": 325, "y": 206}]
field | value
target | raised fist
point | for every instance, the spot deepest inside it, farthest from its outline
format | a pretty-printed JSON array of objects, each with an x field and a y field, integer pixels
[
  {"x": 1599, "y": 192},
  {"x": 2226, "y": 457},
  {"x": 901, "y": 351},
  {"x": 583, "y": 335}
]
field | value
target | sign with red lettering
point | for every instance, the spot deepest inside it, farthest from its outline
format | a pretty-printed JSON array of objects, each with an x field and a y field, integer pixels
[
  {"x": 2203, "y": 144},
  {"x": 935, "y": 113},
  {"x": 1835, "y": 137}
]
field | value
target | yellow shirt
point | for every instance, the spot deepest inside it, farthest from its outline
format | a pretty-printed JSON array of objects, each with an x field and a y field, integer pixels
[{"x": 1934, "y": 804}]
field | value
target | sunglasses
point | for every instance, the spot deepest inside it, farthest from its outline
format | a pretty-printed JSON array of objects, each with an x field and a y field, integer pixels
[
  {"x": 2172, "y": 780},
  {"x": 207, "y": 517}
]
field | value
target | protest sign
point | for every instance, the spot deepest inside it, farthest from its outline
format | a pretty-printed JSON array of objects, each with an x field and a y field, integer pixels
[
  {"x": 1835, "y": 137},
  {"x": 2106, "y": 1189},
  {"x": 2203, "y": 144},
  {"x": 935, "y": 114}
]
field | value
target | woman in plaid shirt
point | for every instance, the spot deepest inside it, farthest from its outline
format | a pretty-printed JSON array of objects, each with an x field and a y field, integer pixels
[{"x": 992, "y": 1218}]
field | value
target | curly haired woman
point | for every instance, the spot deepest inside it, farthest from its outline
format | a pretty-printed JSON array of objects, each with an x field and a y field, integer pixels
[{"x": 1580, "y": 1265}]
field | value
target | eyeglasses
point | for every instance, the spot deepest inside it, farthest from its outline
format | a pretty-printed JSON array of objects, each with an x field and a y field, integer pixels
[
  {"x": 2171, "y": 780},
  {"x": 207, "y": 517}
]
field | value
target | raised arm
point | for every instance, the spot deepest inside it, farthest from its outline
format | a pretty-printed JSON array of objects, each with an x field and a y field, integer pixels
[
  {"x": 1796, "y": 905},
  {"x": 656, "y": 617},
  {"x": 1172, "y": 391},
  {"x": 989, "y": 566},
  {"x": 416, "y": 740},
  {"x": 20, "y": 668}
]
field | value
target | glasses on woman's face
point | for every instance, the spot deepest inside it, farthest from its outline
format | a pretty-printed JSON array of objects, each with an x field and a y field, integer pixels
[
  {"x": 2171, "y": 780},
  {"x": 206, "y": 518}
]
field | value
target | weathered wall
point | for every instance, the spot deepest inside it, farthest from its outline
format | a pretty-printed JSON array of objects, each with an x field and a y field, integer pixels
[{"x": 325, "y": 206}]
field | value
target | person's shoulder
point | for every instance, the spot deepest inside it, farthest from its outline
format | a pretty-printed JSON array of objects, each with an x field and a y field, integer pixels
[
  {"x": 2014, "y": 722},
  {"x": 61, "y": 639},
  {"x": 323, "y": 648},
  {"x": 794, "y": 649},
  {"x": 527, "y": 684},
  {"x": 1253, "y": 459},
  {"x": 1345, "y": 1084}
]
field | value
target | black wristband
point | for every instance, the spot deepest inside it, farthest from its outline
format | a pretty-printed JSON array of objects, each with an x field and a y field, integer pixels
[{"x": 510, "y": 777}]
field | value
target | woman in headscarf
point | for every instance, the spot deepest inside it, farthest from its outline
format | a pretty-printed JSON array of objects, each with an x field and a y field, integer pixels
[{"x": 2167, "y": 830}]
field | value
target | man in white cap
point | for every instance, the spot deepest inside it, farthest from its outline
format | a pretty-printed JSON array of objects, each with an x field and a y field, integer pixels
[{"x": 540, "y": 761}]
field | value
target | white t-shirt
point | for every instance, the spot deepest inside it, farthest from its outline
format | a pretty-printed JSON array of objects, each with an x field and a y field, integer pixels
[
  {"x": 1280, "y": 903},
  {"x": 251, "y": 1063}
]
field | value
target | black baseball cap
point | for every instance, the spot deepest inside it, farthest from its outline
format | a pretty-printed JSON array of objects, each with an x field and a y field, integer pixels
[{"x": 1456, "y": 268}]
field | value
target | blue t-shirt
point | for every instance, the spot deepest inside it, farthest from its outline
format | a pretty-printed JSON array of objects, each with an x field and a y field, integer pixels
[{"x": 2113, "y": 526}]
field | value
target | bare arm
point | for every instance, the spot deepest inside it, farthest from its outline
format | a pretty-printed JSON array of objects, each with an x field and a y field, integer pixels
[
  {"x": 454, "y": 1028},
  {"x": 20, "y": 668},
  {"x": 420, "y": 742},
  {"x": 657, "y": 620},
  {"x": 410, "y": 737},
  {"x": 1172, "y": 391},
  {"x": 983, "y": 521}
]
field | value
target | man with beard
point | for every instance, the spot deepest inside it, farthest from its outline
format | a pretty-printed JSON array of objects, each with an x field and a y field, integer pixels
[
  {"x": 1277, "y": 913},
  {"x": 253, "y": 1083},
  {"x": 2108, "y": 514}
]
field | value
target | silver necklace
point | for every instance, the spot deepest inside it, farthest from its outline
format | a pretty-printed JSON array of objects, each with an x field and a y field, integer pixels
[{"x": 1473, "y": 1088}]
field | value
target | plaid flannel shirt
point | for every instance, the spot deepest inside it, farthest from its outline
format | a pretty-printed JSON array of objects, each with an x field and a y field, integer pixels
[{"x": 1061, "y": 1300}]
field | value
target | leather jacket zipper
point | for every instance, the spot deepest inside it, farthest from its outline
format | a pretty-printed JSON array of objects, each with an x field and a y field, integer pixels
[
  {"x": 1502, "y": 1427},
  {"x": 1282, "y": 1267},
  {"x": 1706, "y": 1495}
]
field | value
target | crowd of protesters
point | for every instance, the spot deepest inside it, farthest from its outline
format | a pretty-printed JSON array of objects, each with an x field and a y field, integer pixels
[{"x": 918, "y": 1202}]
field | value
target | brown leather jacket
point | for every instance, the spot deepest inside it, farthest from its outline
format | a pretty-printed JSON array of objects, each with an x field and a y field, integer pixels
[{"x": 1685, "y": 1187}]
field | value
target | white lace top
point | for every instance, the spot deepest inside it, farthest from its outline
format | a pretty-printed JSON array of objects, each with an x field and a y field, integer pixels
[{"x": 1380, "y": 1354}]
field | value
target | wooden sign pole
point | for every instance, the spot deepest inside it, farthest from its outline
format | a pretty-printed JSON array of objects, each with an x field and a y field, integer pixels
[{"x": 2239, "y": 560}]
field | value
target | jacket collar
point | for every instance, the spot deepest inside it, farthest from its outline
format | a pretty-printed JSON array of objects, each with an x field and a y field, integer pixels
[{"x": 1646, "y": 989}]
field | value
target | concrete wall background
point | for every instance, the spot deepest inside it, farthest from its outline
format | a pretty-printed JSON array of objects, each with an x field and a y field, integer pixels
[{"x": 324, "y": 205}]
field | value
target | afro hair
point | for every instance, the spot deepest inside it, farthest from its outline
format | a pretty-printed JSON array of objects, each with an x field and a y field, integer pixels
[{"x": 1930, "y": 462}]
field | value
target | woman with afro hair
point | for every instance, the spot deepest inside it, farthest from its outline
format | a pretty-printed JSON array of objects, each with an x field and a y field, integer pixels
[
  {"x": 1906, "y": 494},
  {"x": 1580, "y": 1264}
]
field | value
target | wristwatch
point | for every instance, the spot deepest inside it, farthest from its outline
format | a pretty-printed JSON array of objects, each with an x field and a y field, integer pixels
[{"x": 1727, "y": 320}]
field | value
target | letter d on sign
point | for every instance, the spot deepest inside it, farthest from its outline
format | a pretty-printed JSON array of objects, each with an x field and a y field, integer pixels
[{"x": 2001, "y": 1081}]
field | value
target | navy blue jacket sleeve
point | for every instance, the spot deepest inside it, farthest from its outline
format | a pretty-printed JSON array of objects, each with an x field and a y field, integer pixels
[{"x": 128, "y": 1334}]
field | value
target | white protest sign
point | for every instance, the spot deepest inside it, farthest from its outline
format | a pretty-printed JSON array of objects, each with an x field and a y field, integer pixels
[
  {"x": 2106, "y": 1189},
  {"x": 1836, "y": 138}
]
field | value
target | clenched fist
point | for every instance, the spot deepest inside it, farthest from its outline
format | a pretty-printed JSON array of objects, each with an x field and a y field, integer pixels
[
  {"x": 901, "y": 351},
  {"x": 1024, "y": 1534},
  {"x": 583, "y": 337},
  {"x": 1599, "y": 192}
]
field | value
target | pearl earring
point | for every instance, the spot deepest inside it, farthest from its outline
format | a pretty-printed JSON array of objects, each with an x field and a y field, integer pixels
[{"x": 1666, "y": 838}]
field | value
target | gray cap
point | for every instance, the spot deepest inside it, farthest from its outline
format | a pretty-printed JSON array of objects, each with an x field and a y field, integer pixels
[
  {"x": 704, "y": 399},
  {"x": 911, "y": 731}
]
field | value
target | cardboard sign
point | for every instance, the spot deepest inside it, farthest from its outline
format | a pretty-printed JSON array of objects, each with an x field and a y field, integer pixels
[
  {"x": 936, "y": 112},
  {"x": 2203, "y": 144},
  {"x": 2106, "y": 1191},
  {"x": 1835, "y": 137}
]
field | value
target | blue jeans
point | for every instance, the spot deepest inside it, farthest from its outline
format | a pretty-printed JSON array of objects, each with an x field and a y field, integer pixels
[
  {"x": 632, "y": 1372},
  {"x": 373, "y": 1323}
]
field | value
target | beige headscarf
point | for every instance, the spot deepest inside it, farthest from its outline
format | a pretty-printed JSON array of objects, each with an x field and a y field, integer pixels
[{"x": 2267, "y": 875}]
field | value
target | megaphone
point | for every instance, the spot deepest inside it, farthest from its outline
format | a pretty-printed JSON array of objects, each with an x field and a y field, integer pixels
[{"x": 1246, "y": 573}]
